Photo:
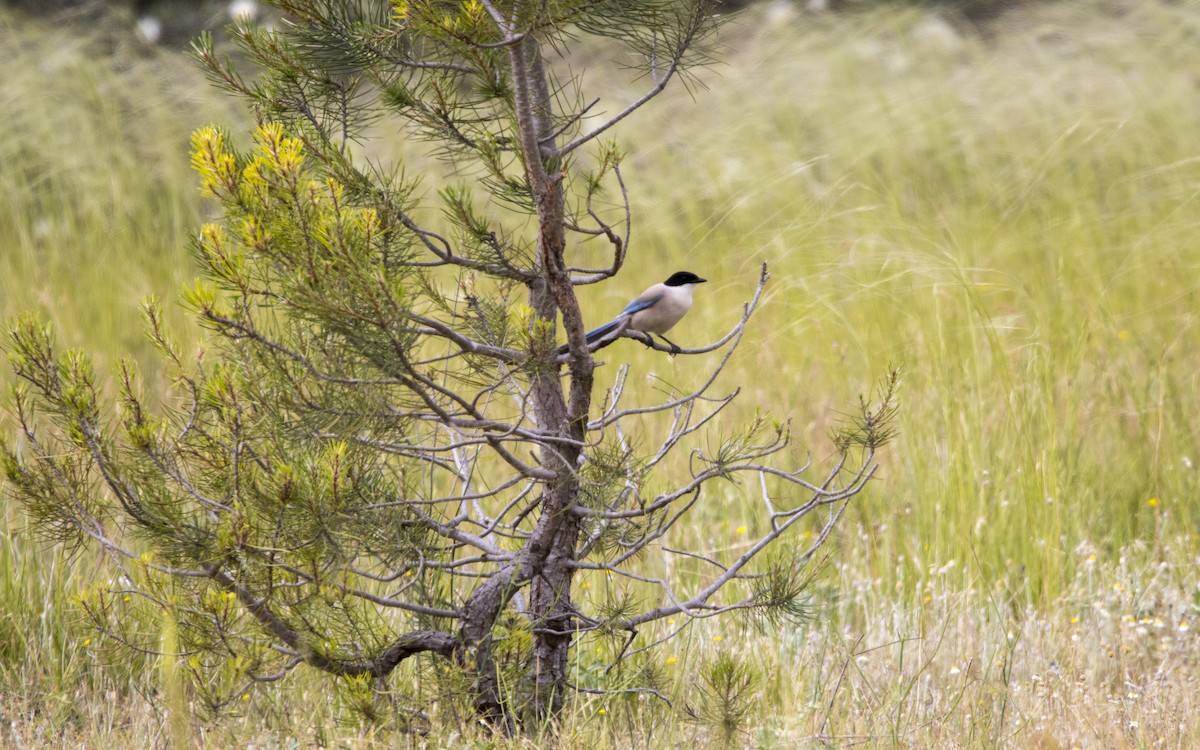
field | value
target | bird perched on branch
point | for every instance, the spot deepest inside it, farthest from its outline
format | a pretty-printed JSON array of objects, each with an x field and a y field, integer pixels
[{"x": 655, "y": 310}]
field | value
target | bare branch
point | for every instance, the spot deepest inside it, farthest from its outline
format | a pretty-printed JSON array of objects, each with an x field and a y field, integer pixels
[
  {"x": 403, "y": 647},
  {"x": 621, "y": 691},
  {"x": 620, "y": 244},
  {"x": 696, "y": 23}
]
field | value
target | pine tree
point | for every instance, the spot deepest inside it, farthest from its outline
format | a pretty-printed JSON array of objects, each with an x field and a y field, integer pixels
[{"x": 382, "y": 450}]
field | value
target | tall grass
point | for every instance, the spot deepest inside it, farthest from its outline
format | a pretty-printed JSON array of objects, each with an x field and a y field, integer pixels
[
  {"x": 1011, "y": 221},
  {"x": 96, "y": 205},
  {"x": 1008, "y": 218}
]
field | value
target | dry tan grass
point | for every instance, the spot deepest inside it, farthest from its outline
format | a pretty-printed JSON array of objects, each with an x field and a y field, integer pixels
[{"x": 1112, "y": 664}]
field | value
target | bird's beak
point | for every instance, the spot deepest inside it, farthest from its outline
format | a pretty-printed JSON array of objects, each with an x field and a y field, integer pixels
[{"x": 700, "y": 281}]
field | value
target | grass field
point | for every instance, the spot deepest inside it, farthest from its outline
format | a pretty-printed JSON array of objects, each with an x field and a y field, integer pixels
[{"x": 1007, "y": 217}]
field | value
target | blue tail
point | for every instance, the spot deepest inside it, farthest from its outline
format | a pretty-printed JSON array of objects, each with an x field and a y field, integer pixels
[{"x": 596, "y": 334}]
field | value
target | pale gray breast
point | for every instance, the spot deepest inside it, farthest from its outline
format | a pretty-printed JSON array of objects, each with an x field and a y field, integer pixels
[{"x": 666, "y": 312}]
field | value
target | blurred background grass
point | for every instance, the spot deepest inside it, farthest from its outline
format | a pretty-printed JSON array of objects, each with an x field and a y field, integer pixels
[
  {"x": 97, "y": 202},
  {"x": 1008, "y": 216},
  {"x": 1009, "y": 219}
]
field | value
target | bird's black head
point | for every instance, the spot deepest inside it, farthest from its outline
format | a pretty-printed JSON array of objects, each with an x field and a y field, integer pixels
[{"x": 679, "y": 278}]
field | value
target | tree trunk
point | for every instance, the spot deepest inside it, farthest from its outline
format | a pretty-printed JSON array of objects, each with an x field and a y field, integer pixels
[
  {"x": 545, "y": 562},
  {"x": 550, "y": 607}
]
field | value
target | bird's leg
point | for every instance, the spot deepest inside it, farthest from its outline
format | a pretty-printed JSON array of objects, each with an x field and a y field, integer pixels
[
  {"x": 648, "y": 340},
  {"x": 674, "y": 348}
]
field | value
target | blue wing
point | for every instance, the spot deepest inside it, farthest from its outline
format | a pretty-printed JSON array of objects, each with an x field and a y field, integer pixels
[{"x": 641, "y": 303}]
